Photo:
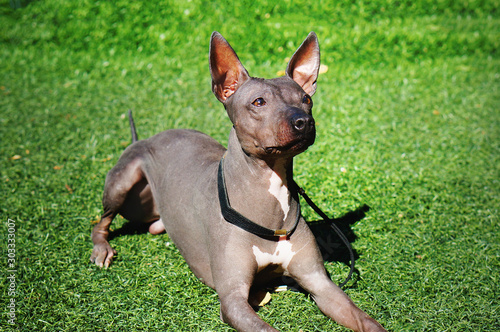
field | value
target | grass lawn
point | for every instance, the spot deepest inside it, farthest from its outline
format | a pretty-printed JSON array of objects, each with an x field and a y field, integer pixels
[{"x": 408, "y": 124}]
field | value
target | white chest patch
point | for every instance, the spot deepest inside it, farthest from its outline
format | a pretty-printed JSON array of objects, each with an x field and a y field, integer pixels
[
  {"x": 282, "y": 255},
  {"x": 280, "y": 191}
]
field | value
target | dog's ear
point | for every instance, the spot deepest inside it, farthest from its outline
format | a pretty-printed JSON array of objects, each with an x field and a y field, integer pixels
[
  {"x": 303, "y": 67},
  {"x": 228, "y": 74}
]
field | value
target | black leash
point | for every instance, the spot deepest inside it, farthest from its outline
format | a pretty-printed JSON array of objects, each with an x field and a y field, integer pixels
[
  {"x": 234, "y": 217},
  {"x": 332, "y": 225}
]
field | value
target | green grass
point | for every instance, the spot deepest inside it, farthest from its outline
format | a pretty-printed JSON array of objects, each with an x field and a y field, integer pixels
[{"x": 408, "y": 124}]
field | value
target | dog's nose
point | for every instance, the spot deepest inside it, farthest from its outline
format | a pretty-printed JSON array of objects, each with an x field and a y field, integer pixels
[{"x": 302, "y": 122}]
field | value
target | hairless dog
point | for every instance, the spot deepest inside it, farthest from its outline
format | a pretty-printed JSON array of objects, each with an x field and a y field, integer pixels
[{"x": 234, "y": 214}]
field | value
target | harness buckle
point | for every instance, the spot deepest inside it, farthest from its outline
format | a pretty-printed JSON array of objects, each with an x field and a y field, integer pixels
[{"x": 280, "y": 232}]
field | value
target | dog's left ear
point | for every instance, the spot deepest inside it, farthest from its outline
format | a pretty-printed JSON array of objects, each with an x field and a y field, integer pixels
[{"x": 303, "y": 67}]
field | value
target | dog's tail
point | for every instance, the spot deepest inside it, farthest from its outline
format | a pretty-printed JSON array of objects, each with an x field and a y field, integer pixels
[{"x": 132, "y": 126}]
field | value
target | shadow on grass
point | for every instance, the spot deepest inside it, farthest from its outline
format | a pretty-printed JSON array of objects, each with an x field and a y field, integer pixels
[
  {"x": 331, "y": 246},
  {"x": 129, "y": 228}
]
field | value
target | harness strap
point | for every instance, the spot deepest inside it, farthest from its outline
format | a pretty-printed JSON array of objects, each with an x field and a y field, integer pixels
[{"x": 234, "y": 217}]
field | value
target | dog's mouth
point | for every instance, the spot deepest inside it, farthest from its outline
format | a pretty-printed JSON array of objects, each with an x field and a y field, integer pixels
[{"x": 294, "y": 147}]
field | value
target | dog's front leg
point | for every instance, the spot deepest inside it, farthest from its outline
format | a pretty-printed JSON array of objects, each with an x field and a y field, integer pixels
[
  {"x": 334, "y": 303},
  {"x": 308, "y": 270},
  {"x": 237, "y": 312},
  {"x": 234, "y": 272}
]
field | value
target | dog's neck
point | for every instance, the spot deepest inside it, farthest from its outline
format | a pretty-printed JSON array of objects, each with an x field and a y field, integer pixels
[{"x": 254, "y": 184}]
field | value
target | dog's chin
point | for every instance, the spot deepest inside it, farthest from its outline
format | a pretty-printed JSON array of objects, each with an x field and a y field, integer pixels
[{"x": 288, "y": 150}]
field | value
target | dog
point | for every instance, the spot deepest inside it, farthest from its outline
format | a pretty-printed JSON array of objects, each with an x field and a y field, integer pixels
[{"x": 233, "y": 213}]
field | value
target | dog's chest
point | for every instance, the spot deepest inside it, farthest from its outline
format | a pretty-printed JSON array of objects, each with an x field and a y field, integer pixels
[
  {"x": 279, "y": 190},
  {"x": 282, "y": 255}
]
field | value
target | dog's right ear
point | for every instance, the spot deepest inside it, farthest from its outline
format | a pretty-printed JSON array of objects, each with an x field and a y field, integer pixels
[{"x": 228, "y": 74}]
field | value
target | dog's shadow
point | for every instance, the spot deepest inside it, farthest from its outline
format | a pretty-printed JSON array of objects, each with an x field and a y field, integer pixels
[
  {"x": 129, "y": 228},
  {"x": 333, "y": 249}
]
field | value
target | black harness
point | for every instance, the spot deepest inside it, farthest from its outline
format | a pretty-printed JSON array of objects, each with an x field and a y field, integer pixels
[{"x": 234, "y": 217}]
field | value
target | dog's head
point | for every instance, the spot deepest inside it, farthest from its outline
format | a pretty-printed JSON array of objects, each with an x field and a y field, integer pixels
[{"x": 272, "y": 117}]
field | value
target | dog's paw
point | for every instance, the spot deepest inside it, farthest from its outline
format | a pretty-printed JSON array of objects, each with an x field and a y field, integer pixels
[{"x": 102, "y": 255}]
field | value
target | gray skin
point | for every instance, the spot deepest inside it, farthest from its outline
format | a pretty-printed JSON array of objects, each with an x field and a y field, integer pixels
[{"x": 170, "y": 181}]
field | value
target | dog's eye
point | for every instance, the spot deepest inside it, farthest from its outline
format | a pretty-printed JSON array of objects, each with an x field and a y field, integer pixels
[
  {"x": 307, "y": 100},
  {"x": 259, "y": 102}
]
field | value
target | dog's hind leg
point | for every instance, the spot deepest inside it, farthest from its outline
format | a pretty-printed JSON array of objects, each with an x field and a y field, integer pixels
[{"x": 128, "y": 193}]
